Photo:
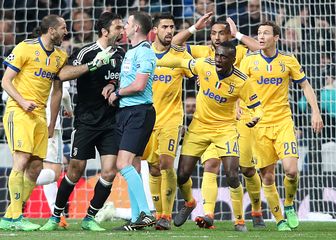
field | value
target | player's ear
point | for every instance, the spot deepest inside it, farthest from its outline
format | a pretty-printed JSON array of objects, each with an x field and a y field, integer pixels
[
  {"x": 104, "y": 32},
  {"x": 155, "y": 30},
  {"x": 276, "y": 38}
]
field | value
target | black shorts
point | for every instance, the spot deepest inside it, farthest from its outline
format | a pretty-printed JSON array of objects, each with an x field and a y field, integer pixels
[
  {"x": 134, "y": 127},
  {"x": 85, "y": 140}
]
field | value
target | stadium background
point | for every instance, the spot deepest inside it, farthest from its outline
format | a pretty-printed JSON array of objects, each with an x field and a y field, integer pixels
[{"x": 308, "y": 31}]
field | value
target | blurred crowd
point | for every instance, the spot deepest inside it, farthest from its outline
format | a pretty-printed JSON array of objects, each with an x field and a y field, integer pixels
[{"x": 308, "y": 31}]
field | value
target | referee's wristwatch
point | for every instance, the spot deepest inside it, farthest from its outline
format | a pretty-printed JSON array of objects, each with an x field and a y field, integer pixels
[{"x": 118, "y": 94}]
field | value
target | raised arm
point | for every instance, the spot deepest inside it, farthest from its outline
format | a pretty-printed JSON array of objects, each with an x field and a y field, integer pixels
[
  {"x": 70, "y": 72},
  {"x": 182, "y": 37},
  {"x": 250, "y": 42}
]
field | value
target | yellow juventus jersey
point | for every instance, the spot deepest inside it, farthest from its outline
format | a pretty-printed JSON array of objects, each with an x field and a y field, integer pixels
[
  {"x": 167, "y": 88},
  {"x": 271, "y": 78},
  {"x": 216, "y": 99},
  {"x": 36, "y": 69},
  {"x": 198, "y": 51}
]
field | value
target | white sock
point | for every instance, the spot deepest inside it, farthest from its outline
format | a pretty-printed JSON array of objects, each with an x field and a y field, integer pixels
[
  {"x": 46, "y": 176},
  {"x": 50, "y": 192}
]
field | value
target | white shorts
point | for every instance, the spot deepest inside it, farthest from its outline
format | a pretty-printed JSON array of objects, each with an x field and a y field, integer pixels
[{"x": 55, "y": 148}]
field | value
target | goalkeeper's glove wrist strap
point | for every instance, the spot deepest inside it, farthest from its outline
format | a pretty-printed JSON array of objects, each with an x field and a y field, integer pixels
[{"x": 92, "y": 67}]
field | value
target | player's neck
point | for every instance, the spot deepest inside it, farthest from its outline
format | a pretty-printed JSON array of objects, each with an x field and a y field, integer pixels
[
  {"x": 269, "y": 52},
  {"x": 104, "y": 43},
  {"x": 138, "y": 39},
  {"x": 160, "y": 47},
  {"x": 47, "y": 44}
]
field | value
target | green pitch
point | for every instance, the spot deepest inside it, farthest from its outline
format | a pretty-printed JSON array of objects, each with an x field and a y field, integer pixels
[{"x": 223, "y": 231}]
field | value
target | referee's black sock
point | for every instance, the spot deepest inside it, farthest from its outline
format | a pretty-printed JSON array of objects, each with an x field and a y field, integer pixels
[
  {"x": 102, "y": 191},
  {"x": 63, "y": 194}
]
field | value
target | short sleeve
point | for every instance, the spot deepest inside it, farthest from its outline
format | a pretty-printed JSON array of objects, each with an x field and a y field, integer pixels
[
  {"x": 187, "y": 72},
  {"x": 248, "y": 94},
  {"x": 17, "y": 58},
  {"x": 74, "y": 60},
  {"x": 296, "y": 71},
  {"x": 244, "y": 66},
  {"x": 146, "y": 59}
]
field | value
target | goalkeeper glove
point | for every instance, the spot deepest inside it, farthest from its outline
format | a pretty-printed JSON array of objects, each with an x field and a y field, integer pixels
[{"x": 102, "y": 58}]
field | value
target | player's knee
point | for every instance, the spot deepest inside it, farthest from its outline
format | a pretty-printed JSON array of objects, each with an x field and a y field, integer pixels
[
  {"x": 182, "y": 177},
  {"x": 291, "y": 173},
  {"x": 268, "y": 178},
  {"x": 233, "y": 179},
  {"x": 154, "y": 170},
  {"x": 108, "y": 175},
  {"x": 248, "y": 171},
  {"x": 212, "y": 165}
]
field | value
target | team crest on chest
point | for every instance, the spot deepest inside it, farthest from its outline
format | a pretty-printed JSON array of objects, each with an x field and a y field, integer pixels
[
  {"x": 231, "y": 88},
  {"x": 283, "y": 66},
  {"x": 58, "y": 62}
]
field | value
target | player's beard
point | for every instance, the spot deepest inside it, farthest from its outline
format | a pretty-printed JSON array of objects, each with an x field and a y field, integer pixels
[
  {"x": 57, "y": 39},
  {"x": 164, "y": 42}
]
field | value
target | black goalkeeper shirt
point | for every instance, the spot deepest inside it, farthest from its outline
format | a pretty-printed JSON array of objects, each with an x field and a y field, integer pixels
[{"x": 92, "y": 110}]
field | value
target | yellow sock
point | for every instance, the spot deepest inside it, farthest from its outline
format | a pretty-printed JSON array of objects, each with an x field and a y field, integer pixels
[
  {"x": 15, "y": 185},
  {"x": 186, "y": 191},
  {"x": 8, "y": 213},
  {"x": 253, "y": 186},
  {"x": 291, "y": 185},
  {"x": 28, "y": 187},
  {"x": 236, "y": 195},
  {"x": 273, "y": 200},
  {"x": 155, "y": 188},
  {"x": 168, "y": 191},
  {"x": 209, "y": 192}
]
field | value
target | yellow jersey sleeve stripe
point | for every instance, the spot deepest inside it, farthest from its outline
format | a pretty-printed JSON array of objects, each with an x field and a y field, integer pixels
[
  {"x": 11, "y": 66},
  {"x": 240, "y": 74},
  {"x": 254, "y": 105},
  {"x": 177, "y": 48},
  {"x": 300, "y": 80}
]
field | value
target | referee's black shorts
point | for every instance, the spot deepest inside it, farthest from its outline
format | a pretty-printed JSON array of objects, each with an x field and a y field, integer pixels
[{"x": 134, "y": 127}]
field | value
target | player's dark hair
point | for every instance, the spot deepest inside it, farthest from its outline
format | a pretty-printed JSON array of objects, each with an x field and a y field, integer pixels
[
  {"x": 162, "y": 16},
  {"x": 105, "y": 20},
  {"x": 48, "y": 22},
  {"x": 144, "y": 20},
  {"x": 229, "y": 45},
  {"x": 276, "y": 28},
  {"x": 221, "y": 22}
]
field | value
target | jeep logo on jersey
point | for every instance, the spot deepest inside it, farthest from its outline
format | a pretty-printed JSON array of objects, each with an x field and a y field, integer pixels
[
  {"x": 275, "y": 81},
  {"x": 214, "y": 96},
  {"x": 111, "y": 75},
  {"x": 44, "y": 74},
  {"x": 163, "y": 78}
]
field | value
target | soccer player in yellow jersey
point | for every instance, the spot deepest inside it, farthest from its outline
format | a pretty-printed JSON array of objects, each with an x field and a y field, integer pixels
[
  {"x": 271, "y": 71},
  {"x": 214, "y": 122},
  {"x": 32, "y": 68},
  {"x": 161, "y": 149},
  {"x": 224, "y": 31}
]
